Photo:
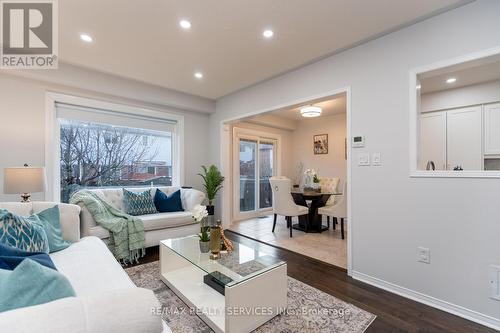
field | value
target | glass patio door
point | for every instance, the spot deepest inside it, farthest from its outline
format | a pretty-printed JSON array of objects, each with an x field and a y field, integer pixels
[{"x": 255, "y": 165}]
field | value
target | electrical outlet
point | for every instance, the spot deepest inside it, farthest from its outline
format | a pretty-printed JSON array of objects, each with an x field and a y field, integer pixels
[
  {"x": 494, "y": 276},
  {"x": 424, "y": 255}
]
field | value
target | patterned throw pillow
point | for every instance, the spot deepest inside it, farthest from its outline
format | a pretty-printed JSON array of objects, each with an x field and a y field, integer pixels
[
  {"x": 20, "y": 232},
  {"x": 138, "y": 203}
]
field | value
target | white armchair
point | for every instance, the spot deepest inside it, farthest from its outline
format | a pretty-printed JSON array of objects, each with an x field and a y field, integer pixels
[
  {"x": 339, "y": 210},
  {"x": 283, "y": 203}
]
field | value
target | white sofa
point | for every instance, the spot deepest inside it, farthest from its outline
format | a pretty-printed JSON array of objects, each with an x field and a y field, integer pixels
[
  {"x": 157, "y": 226},
  {"x": 107, "y": 300}
]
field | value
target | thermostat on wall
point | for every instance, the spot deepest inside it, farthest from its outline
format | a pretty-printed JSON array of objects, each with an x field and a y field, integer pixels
[{"x": 358, "y": 141}]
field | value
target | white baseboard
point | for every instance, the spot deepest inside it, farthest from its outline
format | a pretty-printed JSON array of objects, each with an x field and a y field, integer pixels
[{"x": 429, "y": 300}]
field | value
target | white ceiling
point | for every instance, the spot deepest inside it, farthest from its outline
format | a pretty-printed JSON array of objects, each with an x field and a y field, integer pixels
[
  {"x": 142, "y": 40},
  {"x": 468, "y": 73}
]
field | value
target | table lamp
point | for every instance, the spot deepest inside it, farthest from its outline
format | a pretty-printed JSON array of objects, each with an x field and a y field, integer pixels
[{"x": 24, "y": 180}]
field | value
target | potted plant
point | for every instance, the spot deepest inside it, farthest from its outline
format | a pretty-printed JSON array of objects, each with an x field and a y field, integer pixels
[
  {"x": 199, "y": 215},
  {"x": 213, "y": 183}
]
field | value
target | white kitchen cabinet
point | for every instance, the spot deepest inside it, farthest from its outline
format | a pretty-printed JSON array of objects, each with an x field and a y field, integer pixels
[
  {"x": 492, "y": 129},
  {"x": 452, "y": 139},
  {"x": 433, "y": 140},
  {"x": 464, "y": 138}
]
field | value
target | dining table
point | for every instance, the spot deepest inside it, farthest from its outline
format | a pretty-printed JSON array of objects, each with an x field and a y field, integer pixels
[{"x": 311, "y": 223}]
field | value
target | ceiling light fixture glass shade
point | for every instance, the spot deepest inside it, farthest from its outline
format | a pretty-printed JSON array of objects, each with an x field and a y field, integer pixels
[
  {"x": 185, "y": 24},
  {"x": 310, "y": 111},
  {"x": 86, "y": 38},
  {"x": 268, "y": 33}
]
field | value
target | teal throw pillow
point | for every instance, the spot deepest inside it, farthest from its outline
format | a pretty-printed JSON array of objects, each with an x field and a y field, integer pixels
[
  {"x": 50, "y": 221},
  {"x": 138, "y": 203},
  {"x": 21, "y": 232},
  {"x": 31, "y": 284}
]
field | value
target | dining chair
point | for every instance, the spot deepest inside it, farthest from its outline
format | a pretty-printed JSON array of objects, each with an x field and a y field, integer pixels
[
  {"x": 283, "y": 203},
  {"x": 339, "y": 210},
  {"x": 330, "y": 185}
]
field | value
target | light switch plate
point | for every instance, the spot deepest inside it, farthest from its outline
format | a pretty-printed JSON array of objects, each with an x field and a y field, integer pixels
[
  {"x": 363, "y": 159},
  {"x": 376, "y": 159}
]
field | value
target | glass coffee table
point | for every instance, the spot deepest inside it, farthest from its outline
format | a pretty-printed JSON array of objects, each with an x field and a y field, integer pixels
[{"x": 236, "y": 293}]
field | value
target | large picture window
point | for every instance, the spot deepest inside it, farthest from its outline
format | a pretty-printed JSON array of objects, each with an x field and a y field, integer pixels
[{"x": 102, "y": 148}]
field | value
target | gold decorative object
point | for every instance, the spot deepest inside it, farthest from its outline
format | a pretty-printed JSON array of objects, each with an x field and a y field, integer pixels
[
  {"x": 226, "y": 244},
  {"x": 215, "y": 241}
]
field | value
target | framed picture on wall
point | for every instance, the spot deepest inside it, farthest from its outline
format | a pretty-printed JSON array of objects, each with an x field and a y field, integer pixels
[{"x": 320, "y": 144}]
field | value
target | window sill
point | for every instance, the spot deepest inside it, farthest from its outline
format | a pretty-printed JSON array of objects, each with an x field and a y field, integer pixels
[{"x": 454, "y": 174}]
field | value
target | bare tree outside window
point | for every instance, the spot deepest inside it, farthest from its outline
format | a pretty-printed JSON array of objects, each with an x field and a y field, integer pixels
[{"x": 100, "y": 155}]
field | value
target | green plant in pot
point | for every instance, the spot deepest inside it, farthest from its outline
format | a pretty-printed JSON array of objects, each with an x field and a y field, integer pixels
[
  {"x": 213, "y": 180},
  {"x": 199, "y": 214}
]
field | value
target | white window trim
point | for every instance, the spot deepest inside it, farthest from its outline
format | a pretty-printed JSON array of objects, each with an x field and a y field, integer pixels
[
  {"x": 52, "y": 136},
  {"x": 238, "y": 133},
  {"x": 414, "y": 120}
]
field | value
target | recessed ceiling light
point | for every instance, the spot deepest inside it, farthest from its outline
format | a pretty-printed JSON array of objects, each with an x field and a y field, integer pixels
[
  {"x": 451, "y": 80},
  {"x": 418, "y": 86},
  {"x": 268, "y": 33},
  {"x": 310, "y": 111},
  {"x": 198, "y": 75},
  {"x": 86, "y": 38},
  {"x": 185, "y": 24}
]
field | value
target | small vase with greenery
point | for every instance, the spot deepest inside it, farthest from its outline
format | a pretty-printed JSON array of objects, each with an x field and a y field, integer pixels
[
  {"x": 213, "y": 183},
  {"x": 199, "y": 214},
  {"x": 316, "y": 181}
]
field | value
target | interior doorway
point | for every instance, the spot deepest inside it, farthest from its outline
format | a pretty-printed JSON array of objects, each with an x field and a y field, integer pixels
[{"x": 247, "y": 190}]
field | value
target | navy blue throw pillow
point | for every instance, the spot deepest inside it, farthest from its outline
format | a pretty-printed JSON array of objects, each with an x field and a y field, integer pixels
[
  {"x": 168, "y": 203},
  {"x": 11, "y": 257}
]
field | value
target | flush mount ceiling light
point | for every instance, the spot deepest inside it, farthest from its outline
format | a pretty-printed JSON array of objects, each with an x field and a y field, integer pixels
[
  {"x": 268, "y": 33},
  {"x": 86, "y": 38},
  {"x": 198, "y": 75},
  {"x": 451, "y": 80},
  {"x": 310, "y": 111},
  {"x": 185, "y": 24}
]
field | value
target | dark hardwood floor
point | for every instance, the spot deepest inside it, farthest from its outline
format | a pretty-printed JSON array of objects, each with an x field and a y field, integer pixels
[{"x": 394, "y": 313}]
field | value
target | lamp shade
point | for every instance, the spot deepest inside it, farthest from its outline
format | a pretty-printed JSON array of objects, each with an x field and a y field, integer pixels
[{"x": 23, "y": 180}]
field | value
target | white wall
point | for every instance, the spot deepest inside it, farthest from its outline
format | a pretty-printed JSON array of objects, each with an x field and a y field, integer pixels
[
  {"x": 393, "y": 214},
  {"x": 329, "y": 165},
  {"x": 483, "y": 93},
  {"x": 22, "y": 117}
]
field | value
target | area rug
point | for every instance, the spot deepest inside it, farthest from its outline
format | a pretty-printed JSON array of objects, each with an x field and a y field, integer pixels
[{"x": 309, "y": 309}]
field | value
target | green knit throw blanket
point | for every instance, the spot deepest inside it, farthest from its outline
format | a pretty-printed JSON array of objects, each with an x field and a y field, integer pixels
[{"x": 126, "y": 232}]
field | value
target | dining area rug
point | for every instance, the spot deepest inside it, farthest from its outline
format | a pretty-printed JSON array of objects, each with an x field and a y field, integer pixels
[{"x": 308, "y": 310}]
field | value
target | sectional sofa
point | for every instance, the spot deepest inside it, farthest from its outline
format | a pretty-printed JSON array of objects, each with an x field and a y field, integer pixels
[{"x": 107, "y": 300}]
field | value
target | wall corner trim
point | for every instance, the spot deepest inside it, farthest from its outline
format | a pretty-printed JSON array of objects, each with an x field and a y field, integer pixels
[{"x": 457, "y": 310}]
